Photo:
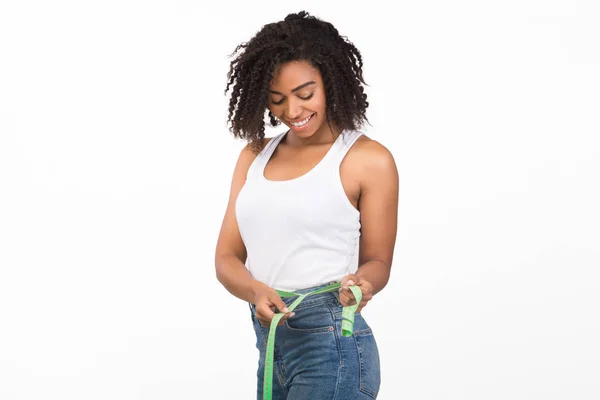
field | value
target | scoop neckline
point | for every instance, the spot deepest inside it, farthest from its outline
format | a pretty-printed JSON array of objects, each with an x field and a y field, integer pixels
[{"x": 308, "y": 173}]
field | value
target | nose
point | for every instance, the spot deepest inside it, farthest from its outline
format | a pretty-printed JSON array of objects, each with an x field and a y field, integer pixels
[{"x": 293, "y": 109}]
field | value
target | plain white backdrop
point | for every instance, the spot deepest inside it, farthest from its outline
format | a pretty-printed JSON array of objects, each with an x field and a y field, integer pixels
[{"x": 115, "y": 166}]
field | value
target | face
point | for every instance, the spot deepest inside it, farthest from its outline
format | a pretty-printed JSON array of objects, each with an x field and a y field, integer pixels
[{"x": 297, "y": 98}]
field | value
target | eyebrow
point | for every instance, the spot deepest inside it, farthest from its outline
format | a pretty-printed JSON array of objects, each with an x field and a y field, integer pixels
[{"x": 296, "y": 89}]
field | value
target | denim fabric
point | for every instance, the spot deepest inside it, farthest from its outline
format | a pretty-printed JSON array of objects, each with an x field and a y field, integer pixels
[{"x": 312, "y": 360}]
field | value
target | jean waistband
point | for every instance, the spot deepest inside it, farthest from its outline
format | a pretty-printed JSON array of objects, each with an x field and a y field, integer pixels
[
  {"x": 315, "y": 298},
  {"x": 320, "y": 297},
  {"x": 313, "y": 288}
]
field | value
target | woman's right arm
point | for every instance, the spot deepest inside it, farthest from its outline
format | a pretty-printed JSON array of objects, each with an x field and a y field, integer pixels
[{"x": 230, "y": 254}]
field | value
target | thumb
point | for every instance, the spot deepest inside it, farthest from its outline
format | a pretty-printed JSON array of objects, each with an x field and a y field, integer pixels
[
  {"x": 349, "y": 280},
  {"x": 281, "y": 306}
]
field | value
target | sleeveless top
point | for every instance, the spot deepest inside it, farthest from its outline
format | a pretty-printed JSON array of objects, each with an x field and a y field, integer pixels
[{"x": 301, "y": 232}]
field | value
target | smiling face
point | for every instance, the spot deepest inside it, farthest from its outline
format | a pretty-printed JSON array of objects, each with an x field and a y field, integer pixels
[{"x": 297, "y": 99}]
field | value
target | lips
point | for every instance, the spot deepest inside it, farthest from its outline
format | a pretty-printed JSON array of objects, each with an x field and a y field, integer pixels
[{"x": 307, "y": 118}]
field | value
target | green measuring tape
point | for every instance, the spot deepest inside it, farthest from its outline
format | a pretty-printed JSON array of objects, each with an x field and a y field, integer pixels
[{"x": 347, "y": 327}]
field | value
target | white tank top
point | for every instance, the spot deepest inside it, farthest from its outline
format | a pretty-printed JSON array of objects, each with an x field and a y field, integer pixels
[{"x": 302, "y": 232}]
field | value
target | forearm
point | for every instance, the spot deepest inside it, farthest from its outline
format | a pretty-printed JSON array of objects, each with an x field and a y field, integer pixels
[
  {"x": 235, "y": 277},
  {"x": 376, "y": 272}
]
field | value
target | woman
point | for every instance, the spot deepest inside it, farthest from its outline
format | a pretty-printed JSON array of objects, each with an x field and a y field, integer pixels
[{"x": 302, "y": 204}]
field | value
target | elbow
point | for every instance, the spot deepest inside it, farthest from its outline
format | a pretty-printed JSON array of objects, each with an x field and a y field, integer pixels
[
  {"x": 219, "y": 268},
  {"x": 224, "y": 263}
]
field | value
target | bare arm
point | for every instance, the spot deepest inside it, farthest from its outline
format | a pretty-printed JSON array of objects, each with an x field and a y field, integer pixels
[
  {"x": 379, "y": 218},
  {"x": 378, "y": 205},
  {"x": 230, "y": 254}
]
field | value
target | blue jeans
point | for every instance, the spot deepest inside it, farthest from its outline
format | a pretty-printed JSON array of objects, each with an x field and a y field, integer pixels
[{"x": 312, "y": 359}]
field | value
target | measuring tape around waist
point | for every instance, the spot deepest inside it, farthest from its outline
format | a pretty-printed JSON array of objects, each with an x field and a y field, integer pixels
[{"x": 347, "y": 328}]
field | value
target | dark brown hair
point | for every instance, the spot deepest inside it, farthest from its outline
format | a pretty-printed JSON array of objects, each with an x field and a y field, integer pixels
[{"x": 298, "y": 37}]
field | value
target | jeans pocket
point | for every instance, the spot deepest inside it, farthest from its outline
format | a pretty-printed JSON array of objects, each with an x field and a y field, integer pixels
[{"x": 368, "y": 355}]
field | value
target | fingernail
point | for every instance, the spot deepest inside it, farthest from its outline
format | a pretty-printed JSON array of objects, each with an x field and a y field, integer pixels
[
  {"x": 285, "y": 310},
  {"x": 350, "y": 282},
  {"x": 292, "y": 314}
]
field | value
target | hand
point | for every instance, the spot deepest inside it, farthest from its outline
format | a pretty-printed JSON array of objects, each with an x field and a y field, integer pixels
[
  {"x": 346, "y": 295},
  {"x": 266, "y": 300}
]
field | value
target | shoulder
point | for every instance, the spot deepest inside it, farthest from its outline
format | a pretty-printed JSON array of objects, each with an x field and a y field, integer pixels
[
  {"x": 247, "y": 156},
  {"x": 371, "y": 157}
]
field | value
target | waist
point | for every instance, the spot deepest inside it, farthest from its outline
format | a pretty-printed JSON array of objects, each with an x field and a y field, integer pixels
[{"x": 318, "y": 298}]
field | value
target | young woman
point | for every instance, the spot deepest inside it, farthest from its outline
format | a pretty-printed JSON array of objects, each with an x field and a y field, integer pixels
[{"x": 314, "y": 205}]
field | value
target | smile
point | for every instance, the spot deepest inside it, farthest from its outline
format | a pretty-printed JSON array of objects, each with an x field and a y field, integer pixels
[{"x": 303, "y": 122}]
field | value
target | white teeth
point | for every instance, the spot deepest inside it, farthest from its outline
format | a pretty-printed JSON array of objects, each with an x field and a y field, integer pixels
[{"x": 301, "y": 123}]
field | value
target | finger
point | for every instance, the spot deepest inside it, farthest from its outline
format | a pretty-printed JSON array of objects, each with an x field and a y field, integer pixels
[
  {"x": 348, "y": 280},
  {"x": 285, "y": 318},
  {"x": 280, "y": 304},
  {"x": 346, "y": 300},
  {"x": 264, "y": 311},
  {"x": 365, "y": 289},
  {"x": 347, "y": 293},
  {"x": 266, "y": 322}
]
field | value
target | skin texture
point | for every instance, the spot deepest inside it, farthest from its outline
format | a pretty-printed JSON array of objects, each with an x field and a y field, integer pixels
[
  {"x": 369, "y": 177},
  {"x": 289, "y": 104}
]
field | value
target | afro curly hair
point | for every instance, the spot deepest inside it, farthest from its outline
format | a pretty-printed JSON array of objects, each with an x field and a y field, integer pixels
[{"x": 299, "y": 37}]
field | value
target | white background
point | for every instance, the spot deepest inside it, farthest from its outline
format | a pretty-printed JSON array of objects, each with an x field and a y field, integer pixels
[{"x": 115, "y": 165}]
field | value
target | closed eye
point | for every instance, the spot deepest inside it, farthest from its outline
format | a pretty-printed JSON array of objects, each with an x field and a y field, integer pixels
[{"x": 303, "y": 98}]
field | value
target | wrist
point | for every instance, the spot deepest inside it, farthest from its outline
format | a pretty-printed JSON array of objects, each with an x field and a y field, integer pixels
[{"x": 255, "y": 287}]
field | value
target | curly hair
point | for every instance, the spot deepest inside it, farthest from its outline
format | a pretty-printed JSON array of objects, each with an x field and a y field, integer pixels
[{"x": 299, "y": 36}]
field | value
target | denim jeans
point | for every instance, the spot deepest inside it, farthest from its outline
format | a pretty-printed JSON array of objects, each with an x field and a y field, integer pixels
[{"x": 312, "y": 360}]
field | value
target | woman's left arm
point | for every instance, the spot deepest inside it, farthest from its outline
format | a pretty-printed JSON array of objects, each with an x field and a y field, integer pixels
[{"x": 378, "y": 206}]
